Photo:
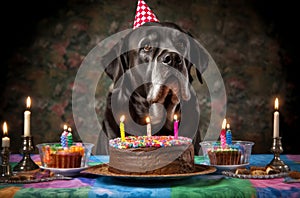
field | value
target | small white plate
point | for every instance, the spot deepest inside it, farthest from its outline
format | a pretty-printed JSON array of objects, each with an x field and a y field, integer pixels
[
  {"x": 65, "y": 171},
  {"x": 230, "y": 167},
  {"x": 243, "y": 176}
]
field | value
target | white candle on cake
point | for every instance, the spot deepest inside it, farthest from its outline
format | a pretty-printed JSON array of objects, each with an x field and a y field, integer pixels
[{"x": 148, "y": 127}]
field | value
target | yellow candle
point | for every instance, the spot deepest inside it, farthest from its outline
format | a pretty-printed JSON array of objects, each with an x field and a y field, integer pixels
[
  {"x": 5, "y": 139},
  {"x": 122, "y": 127},
  {"x": 27, "y": 118},
  {"x": 276, "y": 119},
  {"x": 148, "y": 127}
]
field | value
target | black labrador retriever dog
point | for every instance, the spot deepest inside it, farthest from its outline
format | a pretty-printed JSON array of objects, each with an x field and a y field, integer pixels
[{"x": 151, "y": 72}]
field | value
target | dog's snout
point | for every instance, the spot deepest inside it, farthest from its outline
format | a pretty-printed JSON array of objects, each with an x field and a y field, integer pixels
[{"x": 171, "y": 59}]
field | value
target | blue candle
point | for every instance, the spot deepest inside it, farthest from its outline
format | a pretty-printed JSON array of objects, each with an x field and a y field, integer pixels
[{"x": 228, "y": 135}]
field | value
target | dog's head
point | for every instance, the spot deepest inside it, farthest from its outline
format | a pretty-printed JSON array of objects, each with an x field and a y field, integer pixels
[{"x": 167, "y": 54}]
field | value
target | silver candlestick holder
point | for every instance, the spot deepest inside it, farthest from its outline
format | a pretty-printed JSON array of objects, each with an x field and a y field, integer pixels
[
  {"x": 5, "y": 168},
  {"x": 26, "y": 164},
  {"x": 276, "y": 161}
]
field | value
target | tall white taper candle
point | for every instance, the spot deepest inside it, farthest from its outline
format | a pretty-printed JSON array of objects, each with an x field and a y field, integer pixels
[
  {"x": 27, "y": 118},
  {"x": 276, "y": 120}
]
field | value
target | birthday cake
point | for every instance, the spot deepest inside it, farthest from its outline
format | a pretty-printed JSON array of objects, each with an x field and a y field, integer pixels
[
  {"x": 65, "y": 154},
  {"x": 57, "y": 156},
  {"x": 231, "y": 155},
  {"x": 154, "y": 155},
  {"x": 226, "y": 151}
]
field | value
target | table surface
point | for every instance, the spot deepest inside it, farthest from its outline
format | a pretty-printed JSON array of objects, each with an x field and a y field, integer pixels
[{"x": 210, "y": 185}]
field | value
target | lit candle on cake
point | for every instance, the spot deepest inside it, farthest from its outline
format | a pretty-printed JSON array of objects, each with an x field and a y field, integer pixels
[
  {"x": 223, "y": 134},
  {"x": 148, "y": 127},
  {"x": 65, "y": 127},
  {"x": 70, "y": 137},
  {"x": 122, "y": 128},
  {"x": 63, "y": 137},
  {"x": 228, "y": 135},
  {"x": 276, "y": 120},
  {"x": 5, "y": 139},
  {"x": 175, "y": 127},
  {"x": 27, "y": 118}
]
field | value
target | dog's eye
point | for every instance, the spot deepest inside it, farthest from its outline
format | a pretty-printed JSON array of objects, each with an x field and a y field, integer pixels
[
  {"x": 147, "y": 47},
  {"x": 180, "y": 46}
]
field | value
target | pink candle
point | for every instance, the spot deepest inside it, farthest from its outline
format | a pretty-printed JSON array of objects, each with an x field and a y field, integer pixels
[
  {"x": 223, "y": 134},
  {"x": 175, "y": 127}
]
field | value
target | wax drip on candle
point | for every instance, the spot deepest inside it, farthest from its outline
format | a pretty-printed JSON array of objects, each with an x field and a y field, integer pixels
[
  {"x": 228, "y": 135},
  {"x": 70, "y": 137},
  {"x": 63, "y": 137},
  {"x": 223, "y": 134}
]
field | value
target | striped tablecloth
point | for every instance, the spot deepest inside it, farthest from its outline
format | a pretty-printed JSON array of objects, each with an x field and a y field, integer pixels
[{"x": 211, "y": 185}]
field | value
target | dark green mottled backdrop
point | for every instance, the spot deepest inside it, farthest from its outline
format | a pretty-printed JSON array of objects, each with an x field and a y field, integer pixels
[{"x": 250, "y": 41}]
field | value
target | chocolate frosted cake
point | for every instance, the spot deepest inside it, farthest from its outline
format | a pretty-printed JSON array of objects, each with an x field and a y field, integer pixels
[
  {"x": 235, "y": 153},
  {"x": 56, "y": 156},
  {"x": 157, "y": 155},
  {"x": 225, "y": 157}
]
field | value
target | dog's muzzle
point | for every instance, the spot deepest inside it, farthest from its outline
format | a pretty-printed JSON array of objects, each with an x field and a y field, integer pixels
[{"x": 170, "y": 84}]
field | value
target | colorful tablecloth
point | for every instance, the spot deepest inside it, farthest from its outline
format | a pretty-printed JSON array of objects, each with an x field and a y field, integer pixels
[{"x": 211, "y": 185}]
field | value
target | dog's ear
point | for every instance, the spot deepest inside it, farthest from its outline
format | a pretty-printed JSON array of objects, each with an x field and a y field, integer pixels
[
  {"x": 115, "y": 61},
  {"x": 198, "y": 57}
]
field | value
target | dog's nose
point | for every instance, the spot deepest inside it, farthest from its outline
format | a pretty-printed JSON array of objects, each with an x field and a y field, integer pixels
[{"x": 171, "y": 59}]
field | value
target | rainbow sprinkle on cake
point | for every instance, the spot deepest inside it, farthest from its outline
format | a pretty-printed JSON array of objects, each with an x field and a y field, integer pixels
[{"x": 146, "y": 141}]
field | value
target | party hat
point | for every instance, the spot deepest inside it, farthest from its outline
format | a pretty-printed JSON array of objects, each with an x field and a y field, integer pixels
[{"x": 143, "y": 14}]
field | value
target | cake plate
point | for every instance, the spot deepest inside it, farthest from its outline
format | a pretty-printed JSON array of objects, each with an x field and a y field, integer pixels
[
  {"x": 102, "y": 170},
  {"x": 68, "y": 172}
]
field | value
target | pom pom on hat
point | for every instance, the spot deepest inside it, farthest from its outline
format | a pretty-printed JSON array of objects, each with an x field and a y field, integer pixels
[{"x": 143, "y": 14}]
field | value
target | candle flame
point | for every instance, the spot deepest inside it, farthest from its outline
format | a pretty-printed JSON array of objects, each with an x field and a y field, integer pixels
[
  {"x": 5, "y": 129},
  {"x": 224, "y": 123},
  {"x": 122, "y": 118},
  {"x": 69, "y": 129},
  {"x": 28, "y": 102},
  {"x": 147, "y": 120},
  {"x": 65, "y": 127},
  {"x": 175, "y": 117},
  {"x": 276, "y": 104},
  {"x": 228, "y": 126}
]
